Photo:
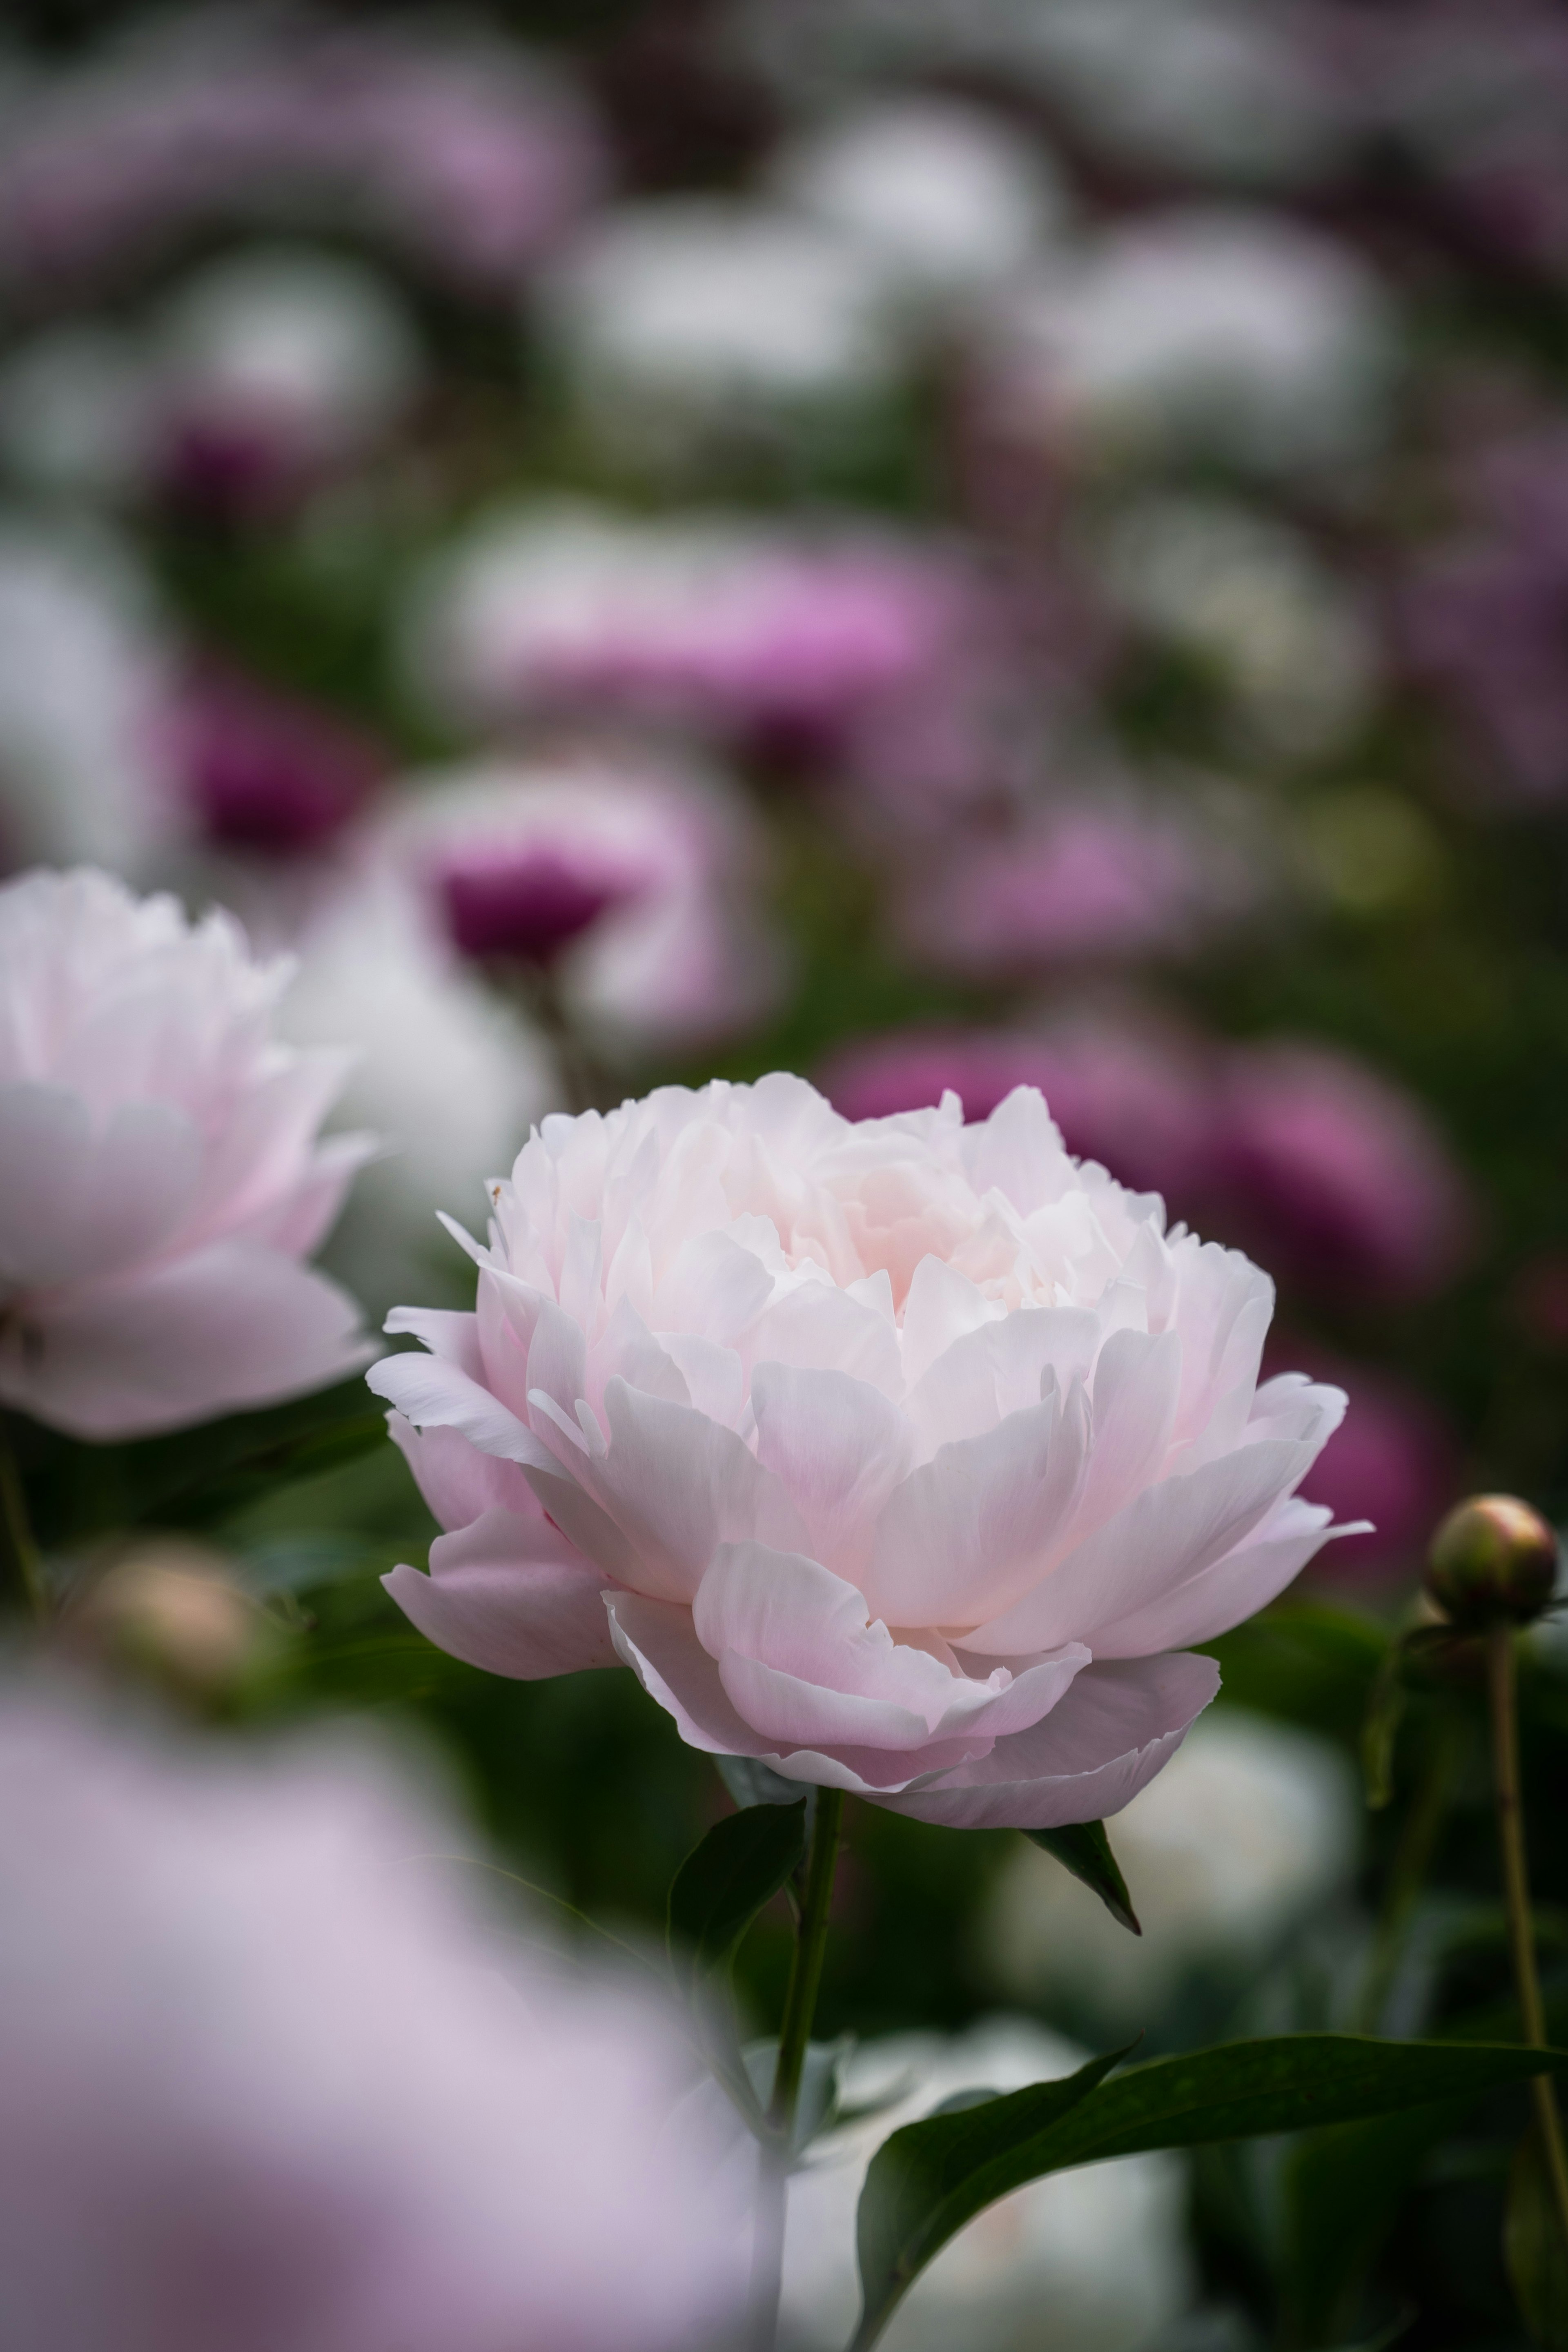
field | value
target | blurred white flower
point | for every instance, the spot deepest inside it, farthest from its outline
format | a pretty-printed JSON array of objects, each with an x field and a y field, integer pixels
[
  {"x": 943, "y": 196},
  {"x": 1095, "y": 2259},
  {"x": 705, "y": 620},
  {"x": 84, "y": 667},
  {"x": 1223, "y": 331},
  {"x": 274, "y": 2074},
  {"x": 1250, "y": 1827},
  {"x": 449, "y": 1076},
  {"x": 691, "y": 322},
  {"x": 1294, "y": 644},
  {"x": 303, "y": 357},
  {"x": 633, "y": 881}
]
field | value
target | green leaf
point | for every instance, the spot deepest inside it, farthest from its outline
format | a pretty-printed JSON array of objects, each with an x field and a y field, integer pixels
[
  {"x": 1084, "y": 1849},
  {"x": 1533, "y": 2252},
  {"x": 722, "y": 1885},
  {"x": 928, "y": 2180}
]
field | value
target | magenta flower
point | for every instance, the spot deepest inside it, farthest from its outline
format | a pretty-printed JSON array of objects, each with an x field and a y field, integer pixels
[
  {"x": 162, "y": 1181},
  {"x": 265, "y": 771},
  {"x": 905, "y": 1457}
]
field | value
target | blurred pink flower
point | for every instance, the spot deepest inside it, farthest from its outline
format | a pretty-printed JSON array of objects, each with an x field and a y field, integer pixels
[
  {"x": 459, "y": 148},
  {"x": 1484, "y": 612},
  {"x": 275, "y": 2076},
  {"x": 1131, "y": 1096},
  {"x": 1395, "y": 1460},
  {"x": 260, "y": 769},
  {"x": 905, "y": 1457},
  {"x": 1331, "y": 1173},
  {"x": 1337, "y": 1173},
  {"x": 1111, "y": 881},
  {"x": 712, "y": 623},
  {"x": 634, "y": 879},
  {"x": 161, "y": 1180}
]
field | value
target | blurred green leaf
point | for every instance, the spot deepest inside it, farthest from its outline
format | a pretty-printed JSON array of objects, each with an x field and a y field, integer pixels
[
  {"x": 1084, "y": 1848},
  {"x": 1534, "y": 2254},
  {"x": 742, "y": 1862},
  {"x": 933, "y": 2176}
]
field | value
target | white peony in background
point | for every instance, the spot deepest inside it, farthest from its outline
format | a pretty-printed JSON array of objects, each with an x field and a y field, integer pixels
[{"x": 904, "y": 1455}]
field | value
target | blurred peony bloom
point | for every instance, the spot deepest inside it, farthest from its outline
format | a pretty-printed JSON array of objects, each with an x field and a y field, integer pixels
[
  {"x": 270, "y": 371},
  {"x": 445, "y": 1071},
  {"x": 460, "y": 149},
  {"x": 1393, "y": 1462},
  {"x": 262, "y": 771},
  {"x": 275, "y": 2077},
  {"x": 693, "y": 322},
  {"x": 634, "y": 881},
  {"x": 1291, "y": 646},
  {"x": 944, "y": 198},
  {"x": 1340, "y": 1174},
  {"x": 1253, "y": 1828},
  {"x": 163, "y": 1180},
  {"x": 904, "y": 1456},
  {"x": 1112, "y": 880},
  {"x": 1227, "y": 333},
  {"x": 712, "y": 622},
  {"x": 1483, "y": 614},
  {"x": 85, "y": 666},
  {"x": 1102, "y": 2250},
  {"x": 1132, "y": 1096}
]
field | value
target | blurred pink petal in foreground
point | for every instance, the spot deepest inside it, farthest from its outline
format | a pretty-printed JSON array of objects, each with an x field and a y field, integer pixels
[
  {"x": 161, "y": 1176},
  {"x": 276, "y": 2075},
  {"x": 907, "y": 1457},
  {"x": 633, "y": 880}
]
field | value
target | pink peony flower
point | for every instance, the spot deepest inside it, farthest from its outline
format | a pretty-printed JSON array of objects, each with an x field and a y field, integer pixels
[
  {"x": 632, "y": 881},
  {"x": 1104, "y": 880},
  {"x": 713, "y": 623},
  {"x": 463, "y": 150},
  {"x": 160, "y": 1177},
  {"x": 903, "y": 1455},
  {"x": 275, "y": 2077},
  {"x": 263, "y": 770},
  {"x": 1338, "y": 1173}
]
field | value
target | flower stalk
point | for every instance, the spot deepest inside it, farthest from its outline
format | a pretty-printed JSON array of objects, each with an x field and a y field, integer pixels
[
  {"x": 23, "y": 1562},
  {"x": 794, "y": 2040},
  {"x": 1502, "y": 1697}
]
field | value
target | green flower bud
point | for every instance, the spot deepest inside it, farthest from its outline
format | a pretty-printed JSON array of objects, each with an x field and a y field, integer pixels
[{"x": 1493, "y": 1560}]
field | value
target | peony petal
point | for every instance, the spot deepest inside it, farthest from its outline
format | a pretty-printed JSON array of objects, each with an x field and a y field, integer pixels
[
  {"x": 234, "y": 1325},
  {"x": 458, "y": 1483},
  {"x": 964, "y": 1532},
  {"x": 1238, "y": 1586},
  {"x": 1164, "y": 1536},
  {"x": 677, "y": 1485},
  {"x": 656, "y": 1641},
  {"x": 1087, "y": 1758},
  {"x": 511, "y": 1595},
  {"x": 1000, "y": 1368},
  {"x": 431, "y": 1392},
  {"x": 839, "y": 1448}
]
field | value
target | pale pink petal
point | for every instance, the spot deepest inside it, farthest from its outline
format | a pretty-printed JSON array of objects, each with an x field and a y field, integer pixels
[
  {"x": 511, "y": 1595},
  {"x": 432, "y": 1392},
  {"x": 998, "y": 1370},
  {"x": 83, "y": 1202},
  {"x": 656, "y": 1641},
  {"x": 965, "y": 1532},
  {"x": 678, "y": 1485},
  {"x": 459, "y": 1482},
  {"x": 1238, "y": 1586},
  {"x": 839, "y": 1447},
  {"x": 1167, "y": 1534},
  {"x": 1088, "y": 1758},
  {"x": 234, "y": 1325}
]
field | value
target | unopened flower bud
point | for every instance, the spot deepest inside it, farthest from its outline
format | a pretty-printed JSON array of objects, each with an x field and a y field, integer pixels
[{"x": 1493, "y": 1559}]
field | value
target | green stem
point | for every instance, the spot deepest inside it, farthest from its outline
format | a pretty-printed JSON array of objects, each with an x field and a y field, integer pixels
[
  {"x": 794, "y": 2040},
  {"x": 1408, "y": 1874},
  {"x": 23, "y": 1564},
  {"x": 1502, "y": 1695}
]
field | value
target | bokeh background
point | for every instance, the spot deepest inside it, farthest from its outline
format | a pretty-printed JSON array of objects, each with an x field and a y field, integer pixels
[{"x": 970, "y": 541}]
